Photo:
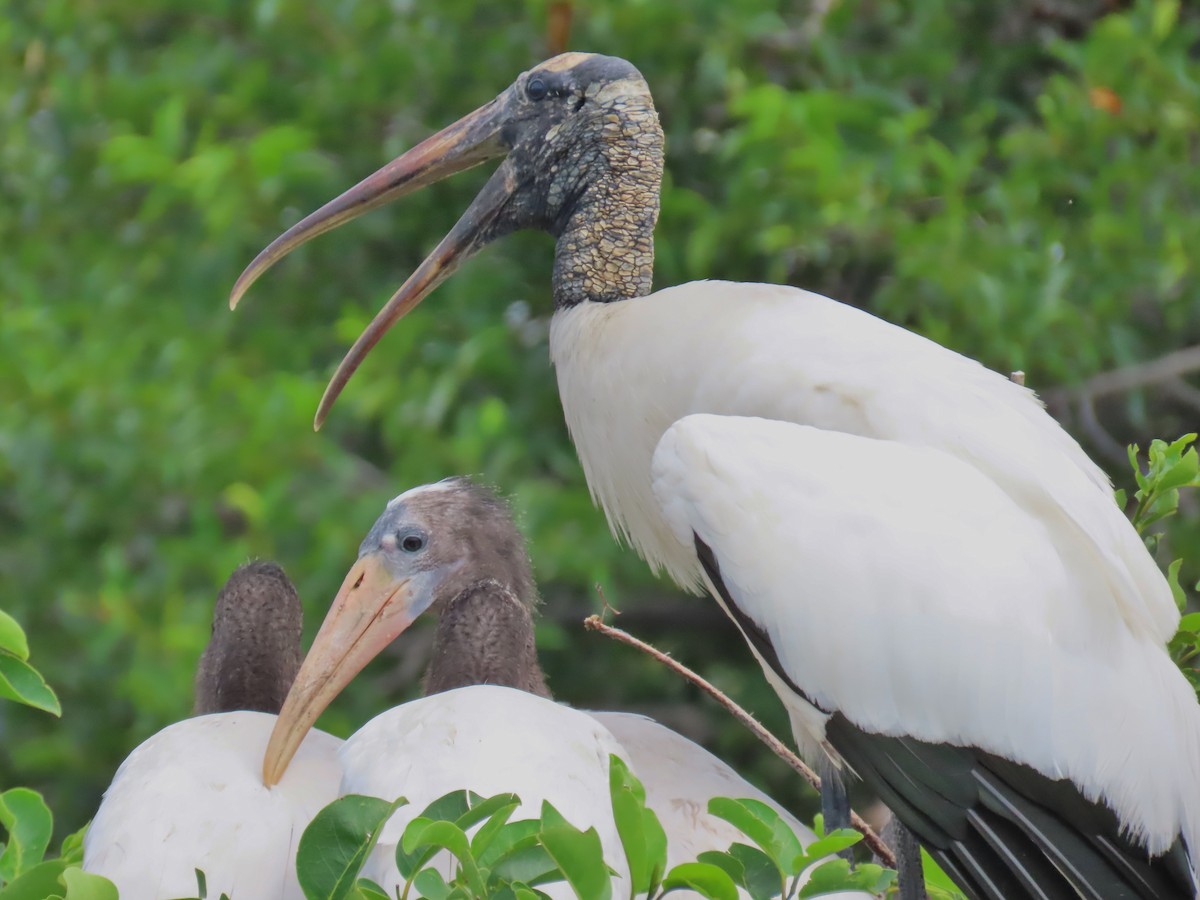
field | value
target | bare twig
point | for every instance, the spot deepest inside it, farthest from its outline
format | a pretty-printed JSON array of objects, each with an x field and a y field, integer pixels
[
  {"x": 1183, "y": 392},
  {"x": 1165, "y": 371},
  {"x": 776, "y": 746},
  {"x": 1127, "y": 378}
]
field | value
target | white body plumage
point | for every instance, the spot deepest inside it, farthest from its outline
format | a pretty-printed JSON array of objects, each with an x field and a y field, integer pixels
[
  {"x": 490, "y": 740},
  {"x": 191, "y": 797}
]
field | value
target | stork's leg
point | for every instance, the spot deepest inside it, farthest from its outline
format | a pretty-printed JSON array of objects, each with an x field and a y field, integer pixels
[
  {"x": 910, "y": 877},
  {"x": 835, "y": 800}
]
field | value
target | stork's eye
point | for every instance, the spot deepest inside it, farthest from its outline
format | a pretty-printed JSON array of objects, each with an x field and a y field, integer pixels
[
  {"x": 536, "y": 89},
  {"x": 411, "y": 543}
]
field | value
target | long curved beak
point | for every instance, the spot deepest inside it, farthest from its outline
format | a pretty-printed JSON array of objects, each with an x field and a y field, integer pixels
[
  {"x": 471, "y": 140},
  {"x": 370, "y": 610}
]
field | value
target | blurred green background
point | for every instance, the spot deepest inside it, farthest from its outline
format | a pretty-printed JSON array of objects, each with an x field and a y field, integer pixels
[{"x": 1019, "y": 180}]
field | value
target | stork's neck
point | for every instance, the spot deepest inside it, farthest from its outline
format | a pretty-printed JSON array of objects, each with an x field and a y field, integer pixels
[
  {"x": 485, "y": 636},
  {"x": 248, "y": 668},
  {"x": 605, "y": 247}
]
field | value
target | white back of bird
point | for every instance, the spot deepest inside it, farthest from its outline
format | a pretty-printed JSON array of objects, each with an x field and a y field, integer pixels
[
  {"x": 967, "y": 625},
  {"x": 680, "y": 777},
  {"x": 191, "y": 797},
  {"x": 490, "y": 740},
  {"x": 626, "y": 371}
]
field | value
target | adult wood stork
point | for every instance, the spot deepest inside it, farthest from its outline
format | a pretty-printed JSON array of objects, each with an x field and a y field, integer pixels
[
  {"x": 191, "y": 796},
  {"x": 582, "y": 155},
  {"x": 453, "y": 548}
]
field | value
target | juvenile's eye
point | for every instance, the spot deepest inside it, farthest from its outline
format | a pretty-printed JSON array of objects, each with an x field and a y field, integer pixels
[
  {"x": 412, "y": 543},
  {"x": 536, "y": 89}
]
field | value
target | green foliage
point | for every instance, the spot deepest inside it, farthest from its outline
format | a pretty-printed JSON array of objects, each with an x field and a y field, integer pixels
[
  {"x": 641, "y": 833},
  {"x": 512, "y": 859},
  {"x": 337, "y": 842},
  {"x": 20, "y": 681},
  {"x": 774, "y": 867},
  {"x": 26, "y": 818},
  {"x": 24, "y": 872},
  {"x": 1170, "y": 467}
]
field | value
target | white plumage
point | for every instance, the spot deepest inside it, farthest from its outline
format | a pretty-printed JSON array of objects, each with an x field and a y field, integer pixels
[
  {"x": 628, "y": 370},
  {"x": 191, "y": 797},
  {"x": 892, "y": 550},
  {"x": 490, "y": 740}
]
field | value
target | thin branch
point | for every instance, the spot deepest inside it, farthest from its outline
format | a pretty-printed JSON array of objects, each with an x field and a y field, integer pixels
[
  {"x": 776, "y": 746},
  {"x": 1183, "y": 392},
  {"x": 1127, "y": 378}
]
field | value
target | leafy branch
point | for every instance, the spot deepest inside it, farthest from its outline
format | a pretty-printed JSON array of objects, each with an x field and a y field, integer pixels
[
  {"x": 512, "y": 860},
  {"x": 1170, "y": 468}
]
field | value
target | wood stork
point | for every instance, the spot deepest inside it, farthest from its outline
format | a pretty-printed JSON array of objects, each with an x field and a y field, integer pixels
[
  {"x": 191, "y": 797},
  {"x": 582, "y": 155},
  {"x": 452, "y": 548}
]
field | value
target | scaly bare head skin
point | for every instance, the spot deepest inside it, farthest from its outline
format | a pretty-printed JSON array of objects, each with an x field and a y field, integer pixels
[{"x": 583, "y": 162}]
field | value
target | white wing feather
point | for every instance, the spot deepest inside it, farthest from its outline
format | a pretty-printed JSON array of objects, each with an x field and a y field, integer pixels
[
  {"x": 905, "y": 589},
  {"x": 191, "y": 797}
]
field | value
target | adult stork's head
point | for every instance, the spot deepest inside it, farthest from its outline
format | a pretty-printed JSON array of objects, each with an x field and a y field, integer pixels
[
  {"x": 450, "y": 548},
  {"x": 582, "y": 153}
]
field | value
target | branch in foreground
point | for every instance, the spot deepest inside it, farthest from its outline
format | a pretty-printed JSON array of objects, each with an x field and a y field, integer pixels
[{"x": 776, "y": 746}]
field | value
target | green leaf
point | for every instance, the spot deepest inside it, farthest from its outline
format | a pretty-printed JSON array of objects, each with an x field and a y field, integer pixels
[
  {"x": 430, "y": 883},
  {"x": 529, "y": 864},
  {"x": 365, "y": 889},
  {"x": 837, "y": 876},
  {"x": 482, "y": 840},
  {"x": 448, "y": 807},
  {"x": 337, "y": 842},
  {"x": 12, "y": 637},
  {"x": 709, "y": 880},
  {"x": 71, "y": 851},
  {"x": 578, "y": 853},
  {"x": 642, "y": 835},
  {"x": 512, "y": 837},
  {"x": 834, "y": 842},
  {"x": 1180, "y": 473},
  {"x": 446, "y": 836},
  {"x": 1164, "y": 15},
  {"x": 464, "y": 808},
  {"x": 21, "y": 682},
  {"x": 481, "y": 808},
  {"x": 763, "y": 878},
  {"x": 37, "y": 883},
  {"x": 201, "y": 884},
  {"x": 1176, "y": 588},
  {"x": 27, "y": 819},
  {"x": 83, "y": 885},
  {"x": 763, "y": 825},
  {"x": 731, "y": 866}
]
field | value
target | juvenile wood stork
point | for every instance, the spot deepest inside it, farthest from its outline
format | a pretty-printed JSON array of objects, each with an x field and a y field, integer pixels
[
  {"x": 191, "y": 796},
  {"x": 452, "y": 548},
  {"x": 582, "y": 155}
]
